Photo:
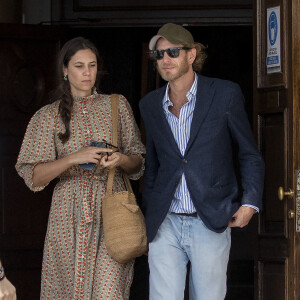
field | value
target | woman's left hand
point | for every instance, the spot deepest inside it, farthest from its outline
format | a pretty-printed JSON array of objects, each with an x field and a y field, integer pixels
[
  {"x": 129, "y": 163},
  {"x": 115, "y": 160}
]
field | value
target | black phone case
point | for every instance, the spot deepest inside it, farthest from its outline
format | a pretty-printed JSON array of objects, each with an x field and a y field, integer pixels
[{"x": 90, "y": 166}]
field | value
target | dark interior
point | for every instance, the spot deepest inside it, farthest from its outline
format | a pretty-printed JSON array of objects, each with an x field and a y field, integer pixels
[
  {"x": 229, "y": 50},
  {"x": 131, "y": 73}
]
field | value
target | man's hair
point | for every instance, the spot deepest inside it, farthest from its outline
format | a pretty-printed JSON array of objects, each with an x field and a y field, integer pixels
[{"x": 200, "y": 55}]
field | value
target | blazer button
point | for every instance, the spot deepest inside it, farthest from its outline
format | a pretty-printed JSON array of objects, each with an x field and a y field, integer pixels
[{"x": 184, "y": 160}]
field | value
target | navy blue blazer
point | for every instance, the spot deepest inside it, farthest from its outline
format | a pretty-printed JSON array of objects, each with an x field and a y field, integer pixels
[{"x": 219, "y": 124}]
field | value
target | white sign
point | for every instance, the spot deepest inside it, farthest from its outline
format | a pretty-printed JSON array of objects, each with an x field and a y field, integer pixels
[{"x": 273, "y": 40}]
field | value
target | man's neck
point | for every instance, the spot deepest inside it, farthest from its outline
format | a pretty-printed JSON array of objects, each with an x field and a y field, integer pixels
[{"x": 179, "y": 88}]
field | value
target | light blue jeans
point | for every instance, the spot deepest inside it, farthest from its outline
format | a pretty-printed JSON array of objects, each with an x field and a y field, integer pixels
[{"x": 181, "y": 239}]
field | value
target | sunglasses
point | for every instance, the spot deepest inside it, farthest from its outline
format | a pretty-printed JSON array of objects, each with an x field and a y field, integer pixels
[
  {"x": 172, "y": 52},
  {"x": 105, "y": 144}
]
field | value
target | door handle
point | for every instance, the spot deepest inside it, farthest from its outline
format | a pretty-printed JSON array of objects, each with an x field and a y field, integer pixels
[
  {"x": 282, "y": 193},
  {"x": 291, "y": 214}
]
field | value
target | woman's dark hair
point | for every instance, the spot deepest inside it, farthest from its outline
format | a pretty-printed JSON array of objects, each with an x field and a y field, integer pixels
[{"x": 63, "y": 90}]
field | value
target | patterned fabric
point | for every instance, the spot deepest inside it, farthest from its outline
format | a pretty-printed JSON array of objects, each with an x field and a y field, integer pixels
[{"x": 76, "y": 264}]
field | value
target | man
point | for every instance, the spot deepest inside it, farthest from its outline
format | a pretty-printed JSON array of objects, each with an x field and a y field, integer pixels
[{"x": 190, "y": 192}]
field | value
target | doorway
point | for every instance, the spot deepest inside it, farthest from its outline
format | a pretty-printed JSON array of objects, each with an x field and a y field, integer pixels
[{"x": 131, "y": 73}]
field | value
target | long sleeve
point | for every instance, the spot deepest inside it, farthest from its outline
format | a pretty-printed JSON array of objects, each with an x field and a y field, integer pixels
[
  {"x": 251, "y": 162},
  {"x": 38, "y": 145}
]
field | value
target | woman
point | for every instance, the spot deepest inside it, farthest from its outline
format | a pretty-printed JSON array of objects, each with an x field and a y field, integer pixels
[{"x": 76, "y": 264}]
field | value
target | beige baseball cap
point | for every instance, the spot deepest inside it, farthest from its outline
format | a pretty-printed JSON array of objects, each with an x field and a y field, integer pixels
[{"x": 175, "y": 34}]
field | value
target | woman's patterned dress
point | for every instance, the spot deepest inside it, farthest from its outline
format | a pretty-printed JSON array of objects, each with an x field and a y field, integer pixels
[{"x": 76, "y": 264}]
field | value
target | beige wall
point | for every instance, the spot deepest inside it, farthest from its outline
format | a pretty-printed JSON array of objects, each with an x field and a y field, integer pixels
[{"x": 10, "y": 11}]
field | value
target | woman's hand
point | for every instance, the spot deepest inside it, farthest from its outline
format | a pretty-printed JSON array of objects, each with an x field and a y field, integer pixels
[
  {"x": 7, "y": 290},
  {"x": 129, "y": 163},
  {"x": 88, "y": 155},
  {"x": 43, "y": 173},
  {"x": 114, "y": 160}
]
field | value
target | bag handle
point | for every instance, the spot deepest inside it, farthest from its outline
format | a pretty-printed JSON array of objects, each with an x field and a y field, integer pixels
[
  {"x": 114, "y": 111},
  {"x": 111, "y": 174}
]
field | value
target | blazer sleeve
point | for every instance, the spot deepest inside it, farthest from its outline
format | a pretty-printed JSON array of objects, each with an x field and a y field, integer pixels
[
  {"x": 152, "y": 163},
  {"x": 250, "y": 161}
]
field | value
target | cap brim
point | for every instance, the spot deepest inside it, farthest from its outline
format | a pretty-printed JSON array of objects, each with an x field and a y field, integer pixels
[{"x": 153, "y": 41}]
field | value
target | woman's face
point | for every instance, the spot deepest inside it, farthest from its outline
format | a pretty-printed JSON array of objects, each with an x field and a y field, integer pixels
[{"x": 81, "y": 72}]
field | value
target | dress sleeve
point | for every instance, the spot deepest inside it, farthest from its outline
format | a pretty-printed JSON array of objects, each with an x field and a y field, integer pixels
[
  {"x": 130, "y": 137},
  {"x": 38, "y": 145}
]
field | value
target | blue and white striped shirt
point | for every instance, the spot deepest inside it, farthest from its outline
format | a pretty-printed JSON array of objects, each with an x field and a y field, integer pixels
[{"x": 181, "y": 128}]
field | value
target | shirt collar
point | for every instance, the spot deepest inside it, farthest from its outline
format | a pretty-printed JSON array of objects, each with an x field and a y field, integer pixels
[{"x": 189, "y": 95}]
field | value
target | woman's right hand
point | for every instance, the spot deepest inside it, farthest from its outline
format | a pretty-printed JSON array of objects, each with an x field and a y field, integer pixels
[
  {"x": 88, "y": 155},
  {"x": 43, "y": 173}
]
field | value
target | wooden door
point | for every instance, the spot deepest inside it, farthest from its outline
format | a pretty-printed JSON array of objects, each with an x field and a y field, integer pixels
[
  {"x": 27, "y": 64},
  {"x": 277, "y": 125}
]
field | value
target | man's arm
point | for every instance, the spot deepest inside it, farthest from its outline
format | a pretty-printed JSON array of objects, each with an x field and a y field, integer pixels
[
  {"x": 250, "y": 161},
  {"x": 152, "y": 162}
]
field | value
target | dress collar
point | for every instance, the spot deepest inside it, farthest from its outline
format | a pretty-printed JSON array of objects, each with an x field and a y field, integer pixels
[{"x": 86, "y": 98}]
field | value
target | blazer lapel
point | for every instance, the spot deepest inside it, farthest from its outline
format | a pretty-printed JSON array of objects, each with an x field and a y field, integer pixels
[
  {"x": 205, "y": 93},
  {"x": 161, "y": 120}
]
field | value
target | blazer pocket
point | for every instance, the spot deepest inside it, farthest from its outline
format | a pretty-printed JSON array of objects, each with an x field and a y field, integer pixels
[
  {"x": 211, "y": 123},
  {"x": 220, "y": 192},
  {"x": 220, "y": 185}
]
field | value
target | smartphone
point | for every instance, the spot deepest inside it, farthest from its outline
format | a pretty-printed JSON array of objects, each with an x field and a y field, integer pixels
[{"x": 90, "y": 166}]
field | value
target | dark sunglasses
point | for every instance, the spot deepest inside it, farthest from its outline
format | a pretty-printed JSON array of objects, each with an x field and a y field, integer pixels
[{"x": 172, "y": 52}]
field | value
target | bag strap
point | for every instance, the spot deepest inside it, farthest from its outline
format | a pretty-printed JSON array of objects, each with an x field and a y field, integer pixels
[
  {"x": 111, "y": 174},
  {"x": 114, "y": 111}
]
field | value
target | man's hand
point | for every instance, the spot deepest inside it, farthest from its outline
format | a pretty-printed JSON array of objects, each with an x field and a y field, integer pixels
[{"x": 242, "y": 217}]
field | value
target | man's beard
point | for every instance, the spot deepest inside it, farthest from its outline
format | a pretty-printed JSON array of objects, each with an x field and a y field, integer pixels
[{"x": 181, "y": 70}]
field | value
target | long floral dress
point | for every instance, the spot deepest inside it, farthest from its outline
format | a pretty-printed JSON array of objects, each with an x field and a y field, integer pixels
[{"x": 76, "y": 264}]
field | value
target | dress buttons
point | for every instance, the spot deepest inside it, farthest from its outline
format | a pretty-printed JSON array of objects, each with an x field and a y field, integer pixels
[{"x": 184, "y": 161}]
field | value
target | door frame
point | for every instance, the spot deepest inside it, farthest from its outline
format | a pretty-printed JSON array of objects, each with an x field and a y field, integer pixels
[{"x": 280, "y": 93}]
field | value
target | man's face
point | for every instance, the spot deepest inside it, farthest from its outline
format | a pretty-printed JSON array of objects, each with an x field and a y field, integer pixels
[{"x": 171, "y": 69}]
